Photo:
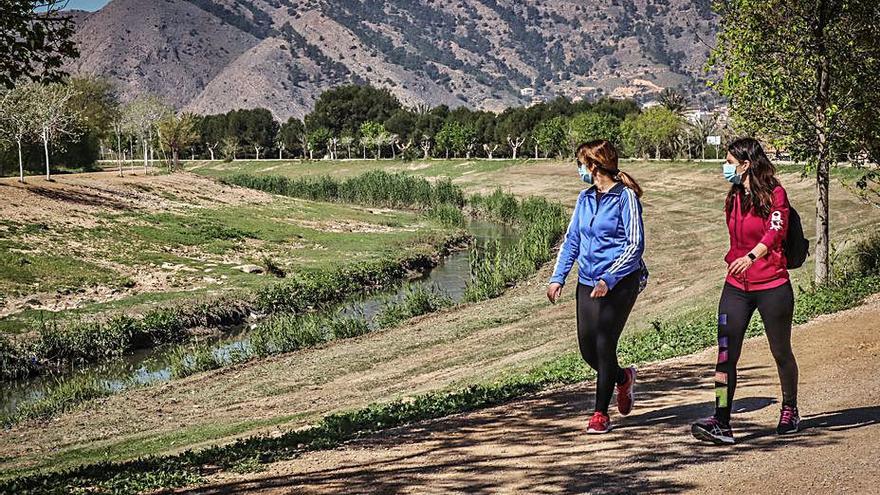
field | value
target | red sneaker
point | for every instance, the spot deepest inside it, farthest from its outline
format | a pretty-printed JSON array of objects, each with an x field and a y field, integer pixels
[
  {"x": 626, "y": 392},
  {"x": 600, "y": 423}
]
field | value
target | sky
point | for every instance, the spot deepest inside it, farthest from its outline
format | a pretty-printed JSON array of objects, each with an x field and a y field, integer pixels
[{"x": 86, "y": 4}]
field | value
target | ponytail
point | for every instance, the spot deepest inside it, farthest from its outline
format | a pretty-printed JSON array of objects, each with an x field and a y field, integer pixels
[{"x": 629, "y": 182}]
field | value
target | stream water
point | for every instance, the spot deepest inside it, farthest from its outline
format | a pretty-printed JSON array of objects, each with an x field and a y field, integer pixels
[{"x": 149, "y": 366}]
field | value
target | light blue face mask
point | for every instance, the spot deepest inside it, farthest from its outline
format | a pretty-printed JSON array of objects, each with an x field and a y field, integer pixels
[
  {"x": 729, "y": 170},
  {"x": 585, "y": 174}
]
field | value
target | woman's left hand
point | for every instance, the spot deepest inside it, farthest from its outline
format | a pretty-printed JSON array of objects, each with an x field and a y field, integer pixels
[
  {"x": 599, "y": 290},
  {"x": 739, "y": 265}
]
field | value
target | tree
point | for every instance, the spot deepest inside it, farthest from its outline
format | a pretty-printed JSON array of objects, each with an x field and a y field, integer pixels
[
  {"x": 551, "y": 137},
  {"x": 118, "y": 125},
  {"x": 703, "y": 127},
  {"x": 373, "y": 134},
  {"x": 347, "y": 141},
  {"x": 53, "y": 114},
  {"x": 515, "y": 143},
  {"x": 256, "y": 128},
  {"x": 97, "y": 104},
  {"x": 673, "y": 101},
  {"x": 344, "y": 109},
  {"x": 17, "y": 120},
  {"x": 589, "y": 126},
  {"x": 404, "y": 149},
  {"x": 656, "y": 129},
  {"x": 332, "y": 147},
  {"x": 229, "y": 147},
  {"x": 490, "y": 149},
  {"x": 425, "y": 145},
  {"x": 213, "y": 130},
  {"x": 451, "y": 138},
  {"x": 515, "y": 125},
  {"x": 469, "y": 138},
  {"x": 141, "y": 116},
  {"x": 317, "y": 141},
  {"x": 807, "y": 72},
  {"x": 178, "y": 132},
  {"x": 37, "y": 39},
  {"x": 291, "y": 133}
]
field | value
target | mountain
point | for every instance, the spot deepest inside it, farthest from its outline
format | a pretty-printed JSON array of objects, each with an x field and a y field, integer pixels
[{"x": 211, "y": 56}]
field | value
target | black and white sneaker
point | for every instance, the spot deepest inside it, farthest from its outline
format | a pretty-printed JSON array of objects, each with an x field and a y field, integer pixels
[
  {"x": 789, "y": 421},
  {"x": 713, "y": 431}
]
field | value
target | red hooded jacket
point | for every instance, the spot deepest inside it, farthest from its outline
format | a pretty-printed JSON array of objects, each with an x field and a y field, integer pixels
[{"x": 747, "y": 230}]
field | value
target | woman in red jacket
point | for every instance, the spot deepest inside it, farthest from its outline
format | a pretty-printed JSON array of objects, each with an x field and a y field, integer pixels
[{"x": 757, "y": 219}]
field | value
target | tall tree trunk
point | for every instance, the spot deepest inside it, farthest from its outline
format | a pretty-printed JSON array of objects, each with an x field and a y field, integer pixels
[
  {"x": 146, "y": 156},
  {"x": 20, "y": 163},
  {"x": 379, "y": 152},
  {"x": 823, "y": 167},
  {"x": 175, "y": 159},
  {"x": 150, "y": 144},
  {"x": 514, "y": 152},
  {"x": 46, "y": 149},
  {"x": 824, "y": 158},
  {"x": 119, "y": 152}
]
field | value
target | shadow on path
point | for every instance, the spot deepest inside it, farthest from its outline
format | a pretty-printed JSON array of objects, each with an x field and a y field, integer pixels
[{"x": 539, "y": 445}]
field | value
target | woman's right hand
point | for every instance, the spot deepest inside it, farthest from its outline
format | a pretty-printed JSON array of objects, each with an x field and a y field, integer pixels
[{"x": 554, "y": 291}]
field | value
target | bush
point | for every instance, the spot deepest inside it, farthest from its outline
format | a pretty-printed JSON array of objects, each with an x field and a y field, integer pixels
[
  {"x": 417, "y": 301},
  {"x": 374, "y": 188},
  {"x": 495, "y": 267}
]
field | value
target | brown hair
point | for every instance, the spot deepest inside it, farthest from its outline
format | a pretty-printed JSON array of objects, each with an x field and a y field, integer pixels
[
  {"x": 762, "y": 177},
  {"x": 603, "y": 155}
]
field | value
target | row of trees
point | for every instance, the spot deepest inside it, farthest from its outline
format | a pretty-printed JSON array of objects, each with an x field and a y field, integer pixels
[
  {"x": 360, "y": 121},
  {"x": 80, "y": 120}
]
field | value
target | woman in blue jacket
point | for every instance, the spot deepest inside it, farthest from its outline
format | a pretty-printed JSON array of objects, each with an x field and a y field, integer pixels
[{"x": 606, "y": 239}]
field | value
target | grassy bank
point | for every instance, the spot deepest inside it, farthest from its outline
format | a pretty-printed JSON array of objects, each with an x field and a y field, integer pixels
[
  {"x": 860, "y": 278},
  {"x": 72, "y": 341},
  {"x": 63, "y": 344},
  {"x": 540, "y": 221},
  {"x": 289, "y": 332}
]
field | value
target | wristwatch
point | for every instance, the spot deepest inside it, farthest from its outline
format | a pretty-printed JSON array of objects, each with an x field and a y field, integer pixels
[{"x": 752, "y": 256}]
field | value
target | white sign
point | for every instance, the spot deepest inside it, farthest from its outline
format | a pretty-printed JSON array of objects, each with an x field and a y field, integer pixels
[{"x": 713, "y": 140}]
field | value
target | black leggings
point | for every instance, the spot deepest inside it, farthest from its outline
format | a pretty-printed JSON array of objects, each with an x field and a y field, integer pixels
[
  {"x": 599, "y": 324},
  {"x": 735, "y": 310}
]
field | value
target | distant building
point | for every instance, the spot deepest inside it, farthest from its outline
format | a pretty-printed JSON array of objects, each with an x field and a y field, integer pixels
[
  {"x": 527, "y": 92},
  {"x": 650, "y": 104},
  {"x": 537, "y": 99},
  {"x": 694, "y": 115}
]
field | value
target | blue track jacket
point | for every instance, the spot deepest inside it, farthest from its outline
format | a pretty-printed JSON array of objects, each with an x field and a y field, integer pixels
[{"x": 606, "y": 239}]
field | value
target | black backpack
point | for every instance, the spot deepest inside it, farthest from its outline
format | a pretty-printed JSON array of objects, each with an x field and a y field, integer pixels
[{"x": 796, "y": 246}]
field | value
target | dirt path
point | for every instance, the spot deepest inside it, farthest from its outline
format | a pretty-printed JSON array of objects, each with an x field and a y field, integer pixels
[{"x": 538, "y": 445}]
